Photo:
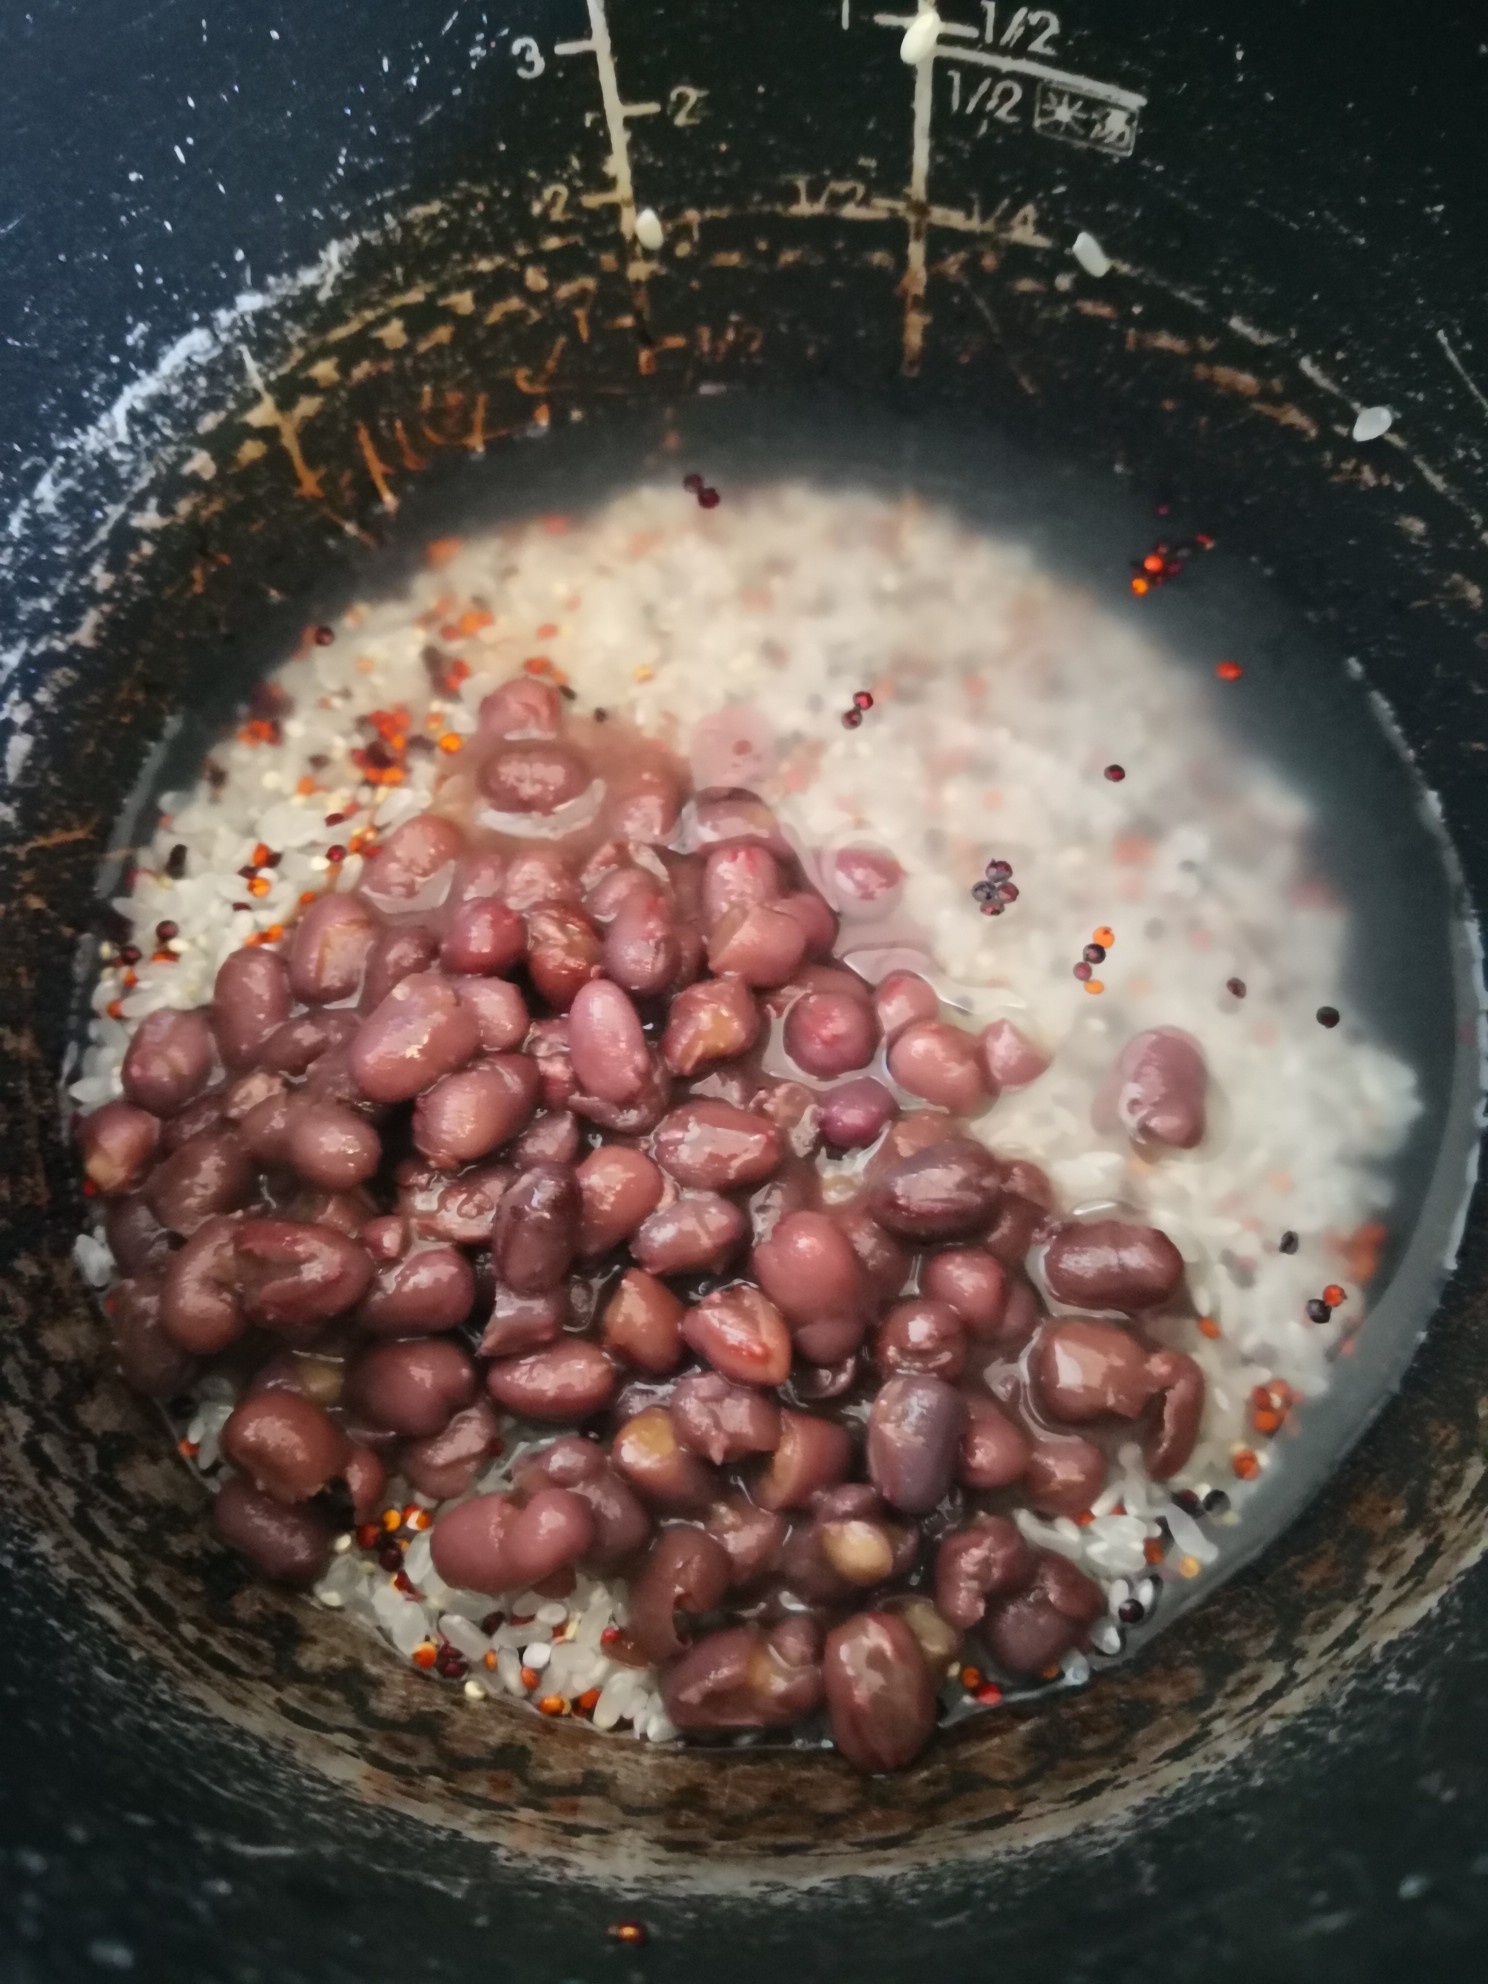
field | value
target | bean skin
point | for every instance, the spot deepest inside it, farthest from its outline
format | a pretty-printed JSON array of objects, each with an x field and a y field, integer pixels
[
  {"x": 921, "y": 1336},
  {"x": 430, "y": 1290},
  {"x": 723, "y": 1421},
  {"x": 607, "y": 1043},
  {"x": 814, "y": 917},
  {"x": 523, "y": 707},
  {"x": 492, "y": 1544},
  {"x": 404, "y": 951},
  {"x": 642, "y": 949},
  {"x": 135, "y": 1236},
  {"x": 715, "y": 1020},
  {"x": 1156, "y": 1091},
  {"x": 686, "y": 1571},
  {"x": 117, "y": 1143},
  {"x": 470, "y": 1113},
  {"x": 808, "y": 1269},
  {"x": 152, "y": 1361},
  {"x": 698, "y": 1233},
  {"x": 329, "y": 950},
  {"x": 199, "y": 1305},
  {"x": 287, "y": 1545},
  {"x": 1023, "y": 1213},
  {"x": 1035, "y": 1627},
  {"x": 534, "y": 777},
  {"x": 207, "y": 1112},
  {"x": 831, "y": 1033},
  {"x": 938, "y": 1639},
  {"x": 251, "y": 996},
  {"x": 747, "y": 1677},
  {"x": 464, "y": 1211},
  {"x": 988, "y": 1559},
  {"x": 791, "y": 1107},
  {"x": 817, "y": 1383},
  {"x": 812, "y": 1454},
  {"x": 498, "y": 1009},
  {"x": 904, "y": 999},
  {"x": 567, "y": 1381},
  {"x": 882, "y": 1256},
  {"x": 483, "y": 937},
  {"x": 866, "y": 881},
  {"x": 621, "y": 1524},
  {"x": 1063, "y": 1476},
  {"x": 331, "y": 1145},
  {"x": 413, "y": 1387},
  {"x": 1170, "y": 1443},
  {"x": 1084, "y": 1370},
  {"x": 856, "y": 1113},
  {"x": 740, "y": 1332},
  {"x": 300, "y": 1042},
  {"x": 731, "y": 812},
  {"x": 914, "y": 1435},
  {"x": 414, "y": 865},
  {"x": 920, "y": 1130},
  {"x": 879, "y": 1692},
  {"x": 420, "y": 1032},
  {"x": 711, "y": 1146},
  {"x": 208, "y": 1174},
  {"x": 943, "y": 1193},
  {"x": 293, "y": 1278},
  {"x": 168, "y": 1061},
  {"x": 1009, "y": 1058},
  {"x": 974, "y": 1283},
  {"x": 1112, "y": 1264},
  {"x": 537, "y": 878},
  {"x": 758, "y": 943},
  {"x": 444, "y": 1464},
  {"x": 940, "y": 1064},
  {"x": 553, "y": 1136},
  {"x": 618, "y": 1187},
  {"x": 644, "y": 802},
  {"x": 520, "y": 1323},
  {"x": 565, "y": 952},
  {"x": 647, "y": 1453},
  {"x": 642, "y": 1323},
  {"x": 288, "y": 1447},
  {"x": 738, "y": 875},
  {"x": 537, "y": 1229},
  {"x": 994, "y": 1451},
  {"x": 752, "y": 1537},
  {"x": 480, "y": 873}
]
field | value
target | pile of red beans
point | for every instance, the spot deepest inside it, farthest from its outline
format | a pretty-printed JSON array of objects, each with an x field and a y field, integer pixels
[{"x": 491, "y": 1135}]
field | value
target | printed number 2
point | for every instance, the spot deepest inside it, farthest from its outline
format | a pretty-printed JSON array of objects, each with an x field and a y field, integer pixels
[
  {"x": 682, "y": 104},
  {"x": 528, "y": 57}
]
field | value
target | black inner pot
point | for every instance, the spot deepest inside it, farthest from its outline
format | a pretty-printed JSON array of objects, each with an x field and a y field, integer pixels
[{"x": 207, "y": 1779}]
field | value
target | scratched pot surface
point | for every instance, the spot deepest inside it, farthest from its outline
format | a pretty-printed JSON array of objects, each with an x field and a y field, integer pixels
[{"x": 824, "y": 241}]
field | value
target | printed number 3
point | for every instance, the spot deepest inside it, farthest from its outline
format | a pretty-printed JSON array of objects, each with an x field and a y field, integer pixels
[{"x": 528, "y": 57}]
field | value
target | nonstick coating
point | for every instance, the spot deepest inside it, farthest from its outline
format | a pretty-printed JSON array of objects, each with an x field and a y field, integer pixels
[{"x": 200, "y": 1779}]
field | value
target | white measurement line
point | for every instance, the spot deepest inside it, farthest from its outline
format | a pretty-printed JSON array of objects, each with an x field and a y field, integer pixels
[
  {"x": 919, "y": 209},
  {"x": 1018, "y": 65},
  {"x": 1460, "y": 369},
  {"x": 903, "y": 21},
  {"x": 615, "y": 111}
]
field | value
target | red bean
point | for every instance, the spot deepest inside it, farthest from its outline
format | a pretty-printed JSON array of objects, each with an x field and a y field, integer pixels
[
  {"x": 534, "y": 777},
  {"x": 207, "y": 1112},
  {"x": 809, "y": 1270},
  {"x": 413, "y": 867},
  {"x": 464, "y": 1211},
  {"x": 1085, "y": 1370},
  {"x": 538, "y": 877},
  {"x": 904, "y": 999},
  {"x": 736, "y": 876},
  {"x": 940, "y": 1064},
  {"x": 466, "y": 1115},
  {"x": 747, "y": 1678},
  {"x": 290, "y": 1546},
  {"x": 830, "y": 1033},
  {"x": 553, "y": 1136},
  {"x": 723, "y": 1421},
  {"x": 740, "y": 1332},
  {"x": 758, "y": 943},
  {"x": 909, "y": 1136},
  {"x": 537, "y": 1229},
  {"x": 413, "y": 1387},
  {"x": 1156, "y": 1091},
  {"x": 791, "y": 1107},
  {"x": 331, "y": 1145},
  {"x": 483, "y": 936},
  {"x": 647, "y": 1453},
  {"x": 293, "y": 1278},
  {"x": 607, "y": 1043},
  {"x": 994, "y": 1451},
  {"x": 695, "y": 1234},
  {"x": 1170, "y": 1443},
  {"x": 941, "y": 1193},
  {"x": 565, "y": 952},
  {"x": 199, "y": 1305},
  {"x": 493, "y": 1545},
  {"x": 444, "y": 1464},
  {"x": 568, "y": 1380},
  {"x": 714, "y": 1020},
  {"x": 713, "y": 1146},
  {"x": 621, "y": 1524},
  {"x": 523, "y": 707},
  {"x": 117, "y": 1143},
  {"x": 812, "y": 1454},
  {"x": 1063, "y": 1476},
  {"x": 1009, "y": 1058},
  {"x": 289, "y": 1447},
  {"x": 644, "y": 803},
  {"x": 884, "y": 1258},
  {"x": 168, "y": 1061},
  {"x": 296, "y": 1045},
  {"x": 420, "y": 1032},
  {"x": 642, "y": 1323},
  {"x": 250, "y": 998},
  {"x": 974, "y": 1283},
  {"x": 1022, "y": 1213},
  {"x": 731, "y": 812},
  {"x": 328, "y": 952},
  {"x": 752, "y": 1537},
  {"x": 1112, "y": 1264},
  {"x": 879, "y": 1692},
  {"x": 816, "y": 919},
  {"x": 479, "y": 874},
  {"x": 135, "y": 1236},
  {"x": 498, "y": 1009},
  {"x": 642, "y": 951},
  {"x": 988, "y": 1559},
  {"x": 922, "y": 1336},
  {"x": 914, "y": 1434},
  {"x": 818, "y": 1383},
  {"x": 209, "y": 1174},
  {"x": 150, "y": 1358},
  {"x": 618, "y": 1187},
  {"x": 860, "y": 1551},
  {"x": 1032, "y": 1629},
  {"x": 938, "y": 1639},
  {"x": 401, "y": 952},
  {"x": 866, "y": 881},
  {"x": 520, "y": 1323},
  {"x": 856, "y": 1113},
  {"x": 686, "y": 1571},
  {"x": 430, "y": 1290}
]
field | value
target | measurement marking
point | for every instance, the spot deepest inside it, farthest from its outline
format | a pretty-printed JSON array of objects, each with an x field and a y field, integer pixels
[
  {"x": 641, "y": 109},
  {"x": 572, "y": 47},
  {"x": 919, "y": 210},
  {"x": 1458, "y": 367},
  {"x": 1020, "y": 65},
  {"x": 904, "y": 21}
]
